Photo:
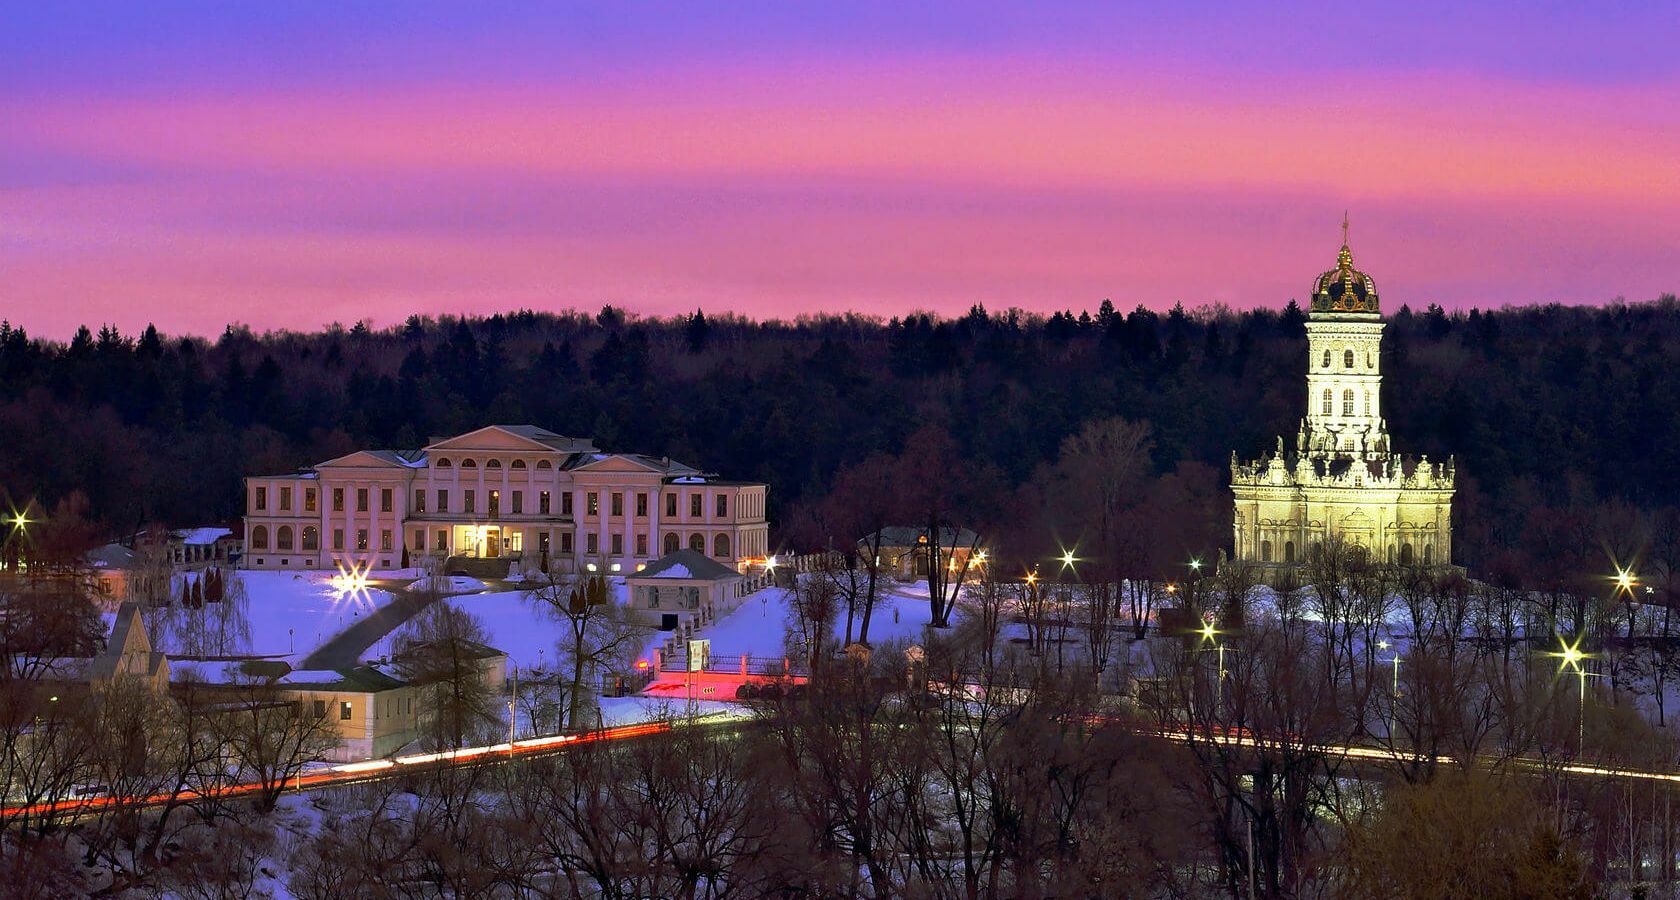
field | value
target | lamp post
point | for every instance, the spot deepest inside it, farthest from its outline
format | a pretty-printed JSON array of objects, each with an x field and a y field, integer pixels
[
  {"x": 1393, "y": 691},
  {"x": 1570, "y": 656},
  {"x": 1209, "y": 633}
]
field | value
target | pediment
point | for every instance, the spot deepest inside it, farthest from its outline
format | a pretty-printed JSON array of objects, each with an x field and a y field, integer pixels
[
  {"x": 361, "y": 459},
  {"x": 490, "y": 437},
  {"x": 613, "y": 462}
]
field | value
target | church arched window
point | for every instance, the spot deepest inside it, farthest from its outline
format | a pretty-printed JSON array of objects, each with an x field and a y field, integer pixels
[
  {"x": 1288, "y": 551},
  {"x": 1347, "y": 402},
  {"x": 1347, "y": 359},
  {"x": 1405, "y": 554},
  {"x": 1327, "y": 402},
  {"x": 1265, "y": 551},
  {"x": 1429, "y": 554},
  {"x": 1326, "y": 359},
  {"x": 1370, "y": 360}
]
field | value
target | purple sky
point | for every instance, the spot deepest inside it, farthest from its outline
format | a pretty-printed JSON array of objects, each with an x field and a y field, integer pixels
[{"x": 193, "y": 164}]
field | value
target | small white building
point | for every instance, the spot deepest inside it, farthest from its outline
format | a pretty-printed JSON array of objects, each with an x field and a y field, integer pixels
[{"x": 682, "y": 590}]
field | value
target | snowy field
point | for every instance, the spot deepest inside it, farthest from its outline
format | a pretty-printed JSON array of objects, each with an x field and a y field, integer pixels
[
  {"x": 281, "y": 614},
  {"x": 759, "y": 626}
]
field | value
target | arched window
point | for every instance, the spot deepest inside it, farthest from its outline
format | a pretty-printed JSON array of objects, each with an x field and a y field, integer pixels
[
  {"x": 259, "y": 537},
  {"x": 1429, "y": 554},
  {"x": 697, "y": 543},
  {"x": 1391, "y": 554},
  {"x": 1347, "y": 402},
  {"x": 544, "y": 464},
  {"x": 1328, "y": 407},
  {"x": 443, "y": 462},
  {"x": 1288, "y": 551},
  {"x": 1326, "y": 359},
  {"x": 311, "y": 538},
  {"x": 1265, "y": 551},
  {"x": 1370, "y": 360},
  {"x": 1347, "y": 359},
  {"x": 283, "y": 538},
  {"x": 720, "y": 546},
  {"x": 493, "y": 464},
  {"x": 469, "y": 464},
  {"x": 672, "y": 542},
  {"x": 1405, "y": 554},
  {"x": 517, "y": 464}
]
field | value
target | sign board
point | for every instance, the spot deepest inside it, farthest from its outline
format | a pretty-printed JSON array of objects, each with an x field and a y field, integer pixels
[{"x": 699, "y": 653}]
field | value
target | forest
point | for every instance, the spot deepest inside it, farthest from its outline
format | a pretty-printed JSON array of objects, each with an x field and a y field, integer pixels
[{"x": 1551, "y": 411}]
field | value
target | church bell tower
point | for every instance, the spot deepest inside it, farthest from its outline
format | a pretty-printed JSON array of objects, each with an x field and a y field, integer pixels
[{"x": 1344, "y": 364}]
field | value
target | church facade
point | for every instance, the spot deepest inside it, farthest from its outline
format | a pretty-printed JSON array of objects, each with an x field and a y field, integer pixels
[{"x": 1341, "y": 482}]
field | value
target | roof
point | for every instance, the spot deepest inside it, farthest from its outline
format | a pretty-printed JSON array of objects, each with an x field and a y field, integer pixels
[
  {"x": 531, "y": 433},
  {"x": 110, "y": 556},
  {"x": 128, "y": 644},
  {"x": 356, "y": 679},
  {"x": 204, "y": 535},
  {"x": 685, "y": 564},
  {"x": 911, "y": 536}
]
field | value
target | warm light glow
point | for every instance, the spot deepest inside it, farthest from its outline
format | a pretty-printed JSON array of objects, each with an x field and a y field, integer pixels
[
  {"x": 1626, "y": 580},
  {"x": 641, "y": 663},
  {"x": 1068, "y": 559},
  {"x": 350, "y": 581},
  {"x": 1172, "y": 588},
  {"x": 1196, "y": 565},
  {"x": 1032, "y": 577},
  {"x": 1208, "y": 631},
  {"x": 1570, "y": 656},
  {"x": 770, "y": 563},
  {"x": 1382, "y": 645}
]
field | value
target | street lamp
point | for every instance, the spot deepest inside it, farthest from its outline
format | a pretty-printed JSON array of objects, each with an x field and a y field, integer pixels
[
  {"x": 1068, "y": 559},
  {"x": 1393, "y": 690},
  {"x": 1626, "y": 580},
  {"x": 1570, "y": 656},
  {"x": 1210, "y": 633}
]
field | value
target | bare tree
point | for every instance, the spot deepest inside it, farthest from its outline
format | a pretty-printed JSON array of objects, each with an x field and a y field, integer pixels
[
  {"x": 596, "y": 639},
  {"x": 442, "y": 652}
]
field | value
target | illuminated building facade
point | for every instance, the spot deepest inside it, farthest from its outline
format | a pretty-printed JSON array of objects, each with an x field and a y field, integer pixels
[
  {"x": 538, "y": 500},
  {"x": 1342, "y": 482}
]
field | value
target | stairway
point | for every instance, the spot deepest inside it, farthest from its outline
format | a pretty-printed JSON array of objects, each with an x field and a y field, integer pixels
[{"x": 482, "y": 568}]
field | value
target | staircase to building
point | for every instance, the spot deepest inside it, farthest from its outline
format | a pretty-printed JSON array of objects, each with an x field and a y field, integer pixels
[{"x": 480, "y": 567}]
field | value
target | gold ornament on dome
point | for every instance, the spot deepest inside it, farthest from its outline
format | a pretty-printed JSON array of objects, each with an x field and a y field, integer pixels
[{"x": 1344, "y": 289}]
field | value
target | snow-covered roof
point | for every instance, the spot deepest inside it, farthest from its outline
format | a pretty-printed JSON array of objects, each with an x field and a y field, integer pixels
[
  {"x": 204, "y": 535},
  {"x": 685, "y": 564}
]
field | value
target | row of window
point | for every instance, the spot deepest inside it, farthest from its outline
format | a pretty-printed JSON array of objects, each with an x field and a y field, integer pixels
[
  {"x": 469, "y": 501},
  {"x": 1329, "y": 405},
  {"x": 1403, "y": 554},
  {"x": 721, "y": 545},
  {"x": 1348, "y": 359},
  {"x": 443, "y": 462},
  {"x": 310, "y": 538}
]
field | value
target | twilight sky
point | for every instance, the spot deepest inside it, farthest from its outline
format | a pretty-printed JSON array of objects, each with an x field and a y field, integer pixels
[{"x": 291, "y": 164}]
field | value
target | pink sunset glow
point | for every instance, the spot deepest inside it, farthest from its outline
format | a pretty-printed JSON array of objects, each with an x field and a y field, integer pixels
[{"x": 882, "y": 186}]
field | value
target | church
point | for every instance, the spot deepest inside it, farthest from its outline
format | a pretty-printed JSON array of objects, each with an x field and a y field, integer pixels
[{"x": 1341, "y": 481}]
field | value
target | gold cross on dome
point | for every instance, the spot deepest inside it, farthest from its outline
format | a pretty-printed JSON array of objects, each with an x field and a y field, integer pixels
[{"x": 1344, "y": 228}]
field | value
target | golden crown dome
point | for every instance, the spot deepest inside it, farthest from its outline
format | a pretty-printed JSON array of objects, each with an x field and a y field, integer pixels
[{"x": 1344, "y": 288}]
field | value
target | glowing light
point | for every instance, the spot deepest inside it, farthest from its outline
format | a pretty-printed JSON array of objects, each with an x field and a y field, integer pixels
[
  {"x": 1032, "y": 577},
  {"x": 1196, "y": 565},
  {"x": 641, "y": 663},
  {"x": 350, "y": 581},
  {"x": 1068, "y": 559},
  {"x": 1172, "y": 588},
  {"x": 1382, "y": 645},
  {"x": 1570, "y": 656},
  {"x": 1207, "y": 630},
  {"x": 770, "y": 563},
  {"x": 980, "y": 557},
  {"x": 20, "y": 520},
  {"x": 1626, "y": 580}
]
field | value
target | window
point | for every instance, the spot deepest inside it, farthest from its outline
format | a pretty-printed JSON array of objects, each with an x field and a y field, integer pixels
[
  {"x": 566, "y": 503},
  {"x": 1327, "y": 402},
  {"x": 1405, "y": 554},
  {"x": 1326, "y": 359},
  {"x": 338, "y": 499},
  {"x": 311, "y": 537},
  {"x": 1347, "y": 402},
  {"x": 419, "y": 542},
  {"x": 617, "y": 503},
  {"x": 565, "y": 542},
  {"x": 283, "y": 538},
  {"x": 308, "y": 499},
  {"x": 338, "y": 539},
  {"x": 467, "y": 499},
  {"x": 259, "y": 500},
  {"x": 469, "y": 464},
  {"x": 720, "y": 546},
  {"x": 385, "y": 540},
  {"x": 419, "y": 501},
  {"x": 672, "y": 542},
  {"x": 493, "y": 464},
  {"x": 1289, "y": 551},
  {"x": 542, "y": 543},
  {"x": 285, "y": 499},
  {"x": 641, "y": 545},
  {"x": 518, "y": 502},
  {"x": 671, "y": 505},
  {"x": 443, "y": 500},
  {"x": 542, "y": 503},
  {"x": 320, "y": 709},
  {"x": 385, "y": 499},
  {"x": 1370, "y": 360},
  {"x": 517, "y": 464},
  {"x": 592, "y": 504},
  {"x": 361, "y": 499},
  {"x": 440, "y": 539},
  {"x": 544, "y": 464},
  {"x": 697, "y": 543},
  {"x": 1367, "y": 403},
  {"x": 722, "y": 506},
  {"x": 344, "y": 710},
  {"x": 361, "y": 539},
  {"x": 259, "y": 537},
  {"x": 594, "y": 543},
  {"x": 1265, "y": 551},
  {"x": 495, "y": 504},
  {"x": 694, "y": 506},
  {"x": 641, "y": 506},
  {"x": 618, "y": 545},
  {"x": 444, "y": 463},
  {"x": 1347, "y": 359}
]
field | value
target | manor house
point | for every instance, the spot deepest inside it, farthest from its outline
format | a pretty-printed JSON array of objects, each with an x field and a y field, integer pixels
[
  {"x": 1341, "y": 480},
  {"x": 504, "y": 498}
]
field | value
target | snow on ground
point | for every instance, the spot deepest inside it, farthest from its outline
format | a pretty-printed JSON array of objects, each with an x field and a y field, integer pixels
[
  {"x": 518, "y": 627},
  {"x": 283, "y": 613},
  {"x": 758, "y": 627}
]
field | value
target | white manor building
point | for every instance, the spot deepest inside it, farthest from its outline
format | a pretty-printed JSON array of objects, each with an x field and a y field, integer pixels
[
  {"x": 504, "y": 496},
  {"x": 1342, "y": 481}
]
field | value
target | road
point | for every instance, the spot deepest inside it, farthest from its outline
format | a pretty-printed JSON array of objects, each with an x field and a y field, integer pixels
[{"x": 380, "y": 769}]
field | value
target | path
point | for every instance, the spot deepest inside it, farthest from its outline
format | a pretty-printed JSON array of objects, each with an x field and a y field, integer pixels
[{"x": 345, "y": 649}]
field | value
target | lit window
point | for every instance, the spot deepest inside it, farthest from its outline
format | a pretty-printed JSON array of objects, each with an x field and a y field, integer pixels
[
  {"x": 1347, "y": 402},
  {"x": 1327, "y": 402},
  {"x": 592, "y": 504},
  {"x": 1347, "y": 359},
  {"x": 261, "y": 499},
  {"x": 344, "y": 710}
]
